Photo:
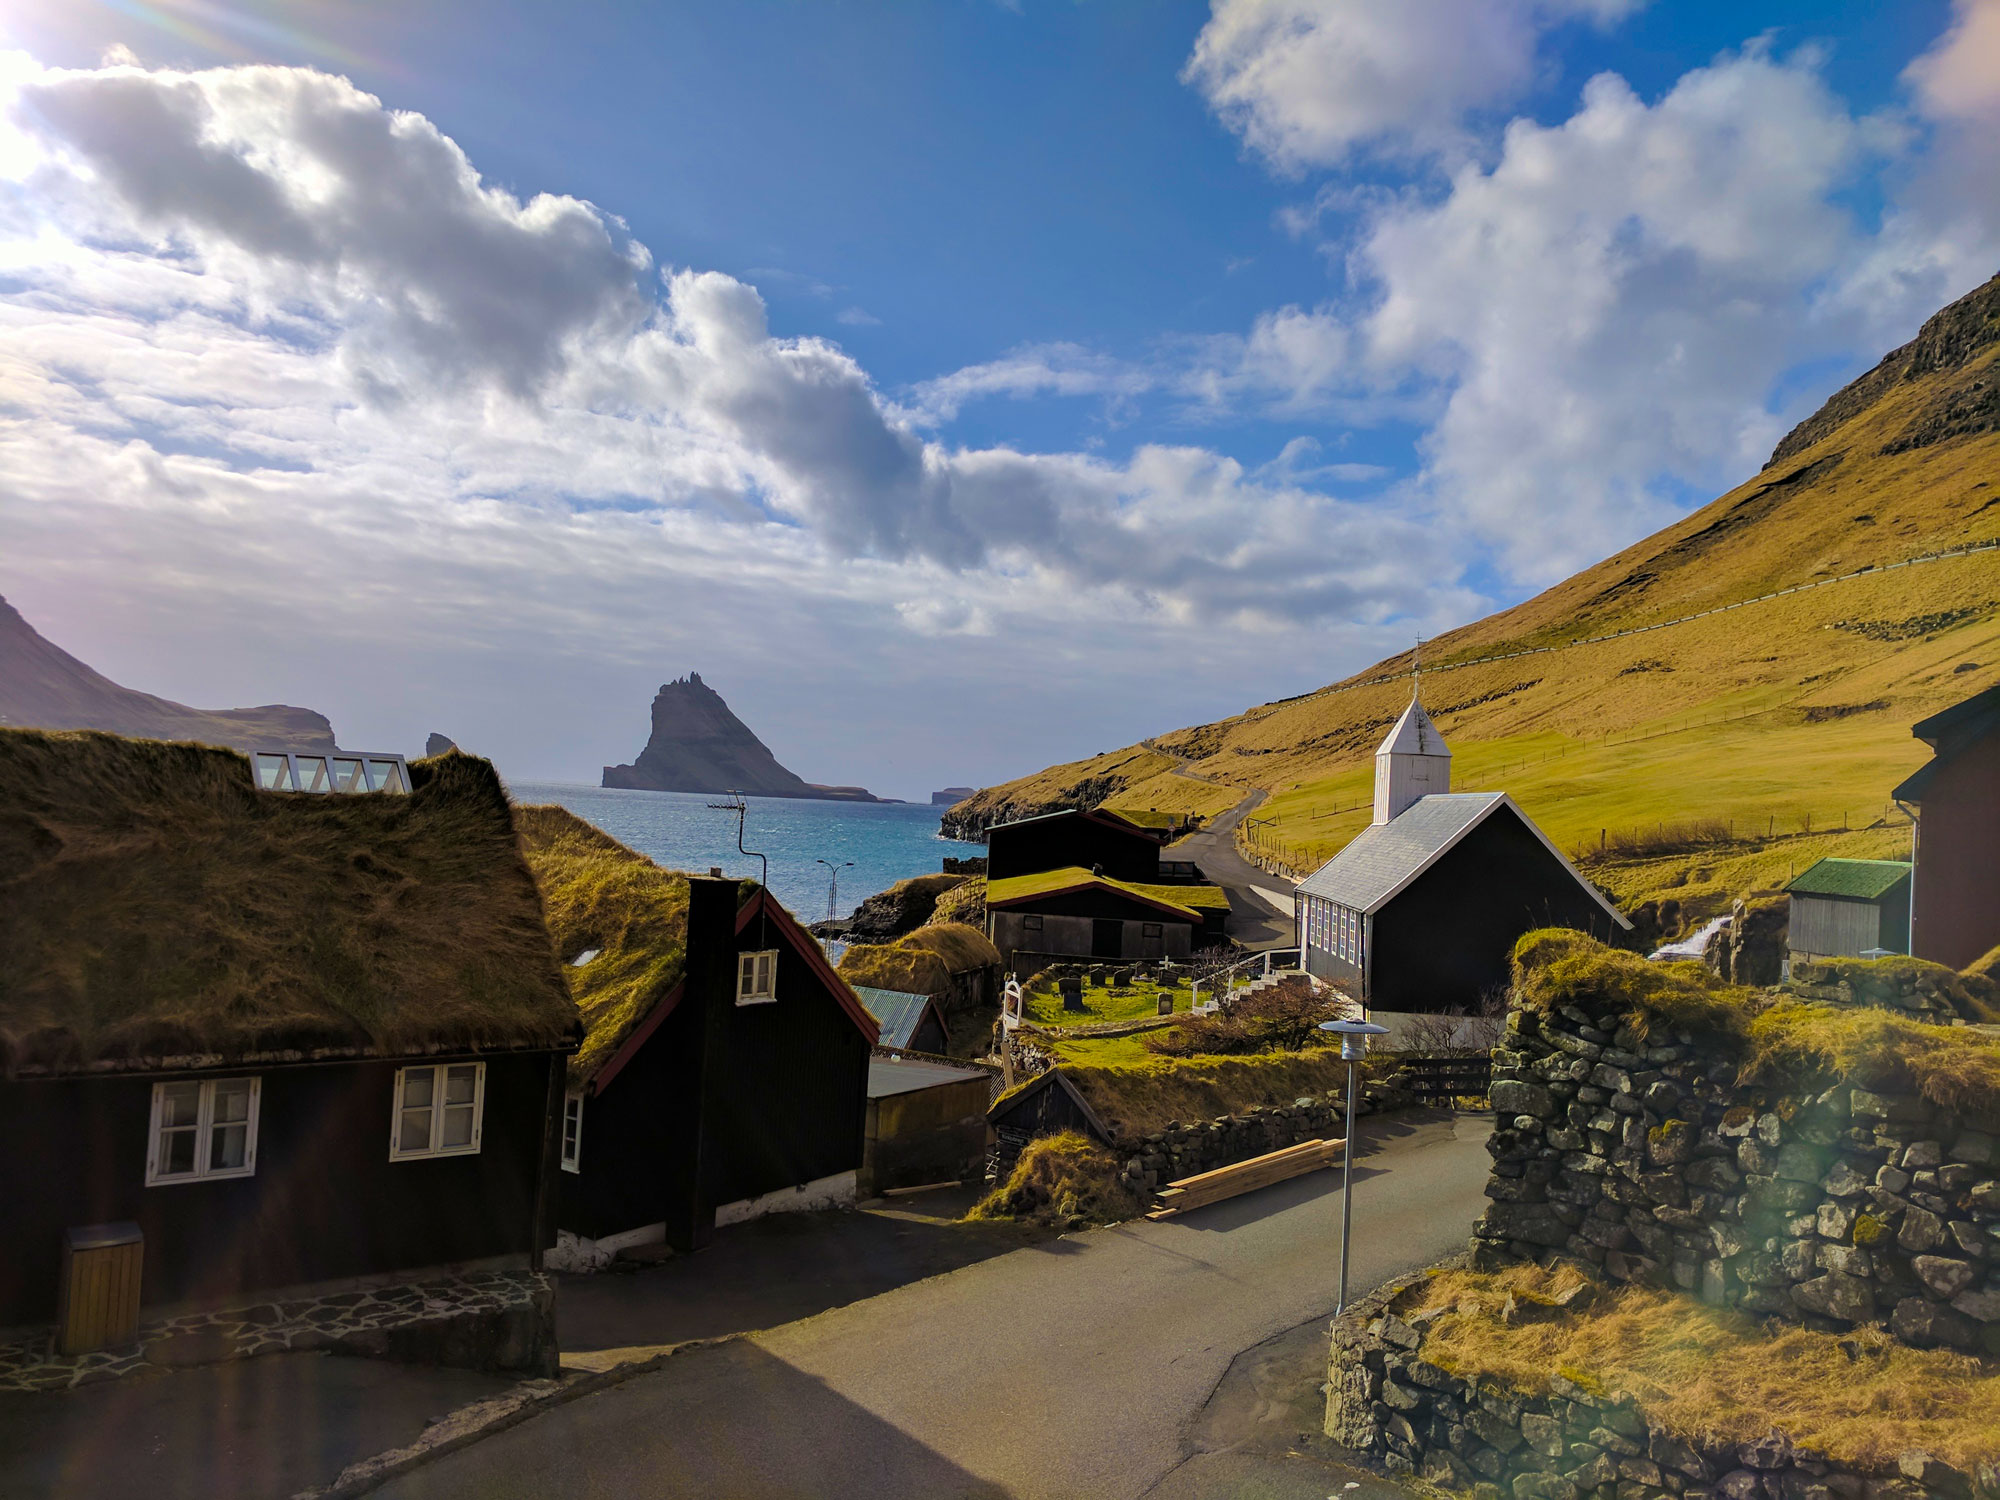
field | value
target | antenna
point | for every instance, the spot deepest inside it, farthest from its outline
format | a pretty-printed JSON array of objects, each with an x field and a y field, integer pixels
[
  {"x": 1416, "y": 668},
  {"x": 737, "y": 805}
]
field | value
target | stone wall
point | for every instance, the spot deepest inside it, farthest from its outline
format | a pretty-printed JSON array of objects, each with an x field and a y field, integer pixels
[
  {"x": 1185, "y": 1150},
  {"x": 1385, "y": 1400},
  {"x": 1649, "y": 1160}
]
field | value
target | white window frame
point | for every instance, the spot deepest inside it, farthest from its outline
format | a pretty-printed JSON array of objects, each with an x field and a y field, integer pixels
[
  {"x": 388, "y": 773},
  {"x": 757, "y": 976},
  {"x": 572, "y": 1132},
  {"x": 438, "y": 1072},
  {"x": 204, "y": 1126}
]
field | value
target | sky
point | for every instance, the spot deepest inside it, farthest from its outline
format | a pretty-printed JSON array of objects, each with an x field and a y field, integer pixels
[{"x": 959, "y": 387}]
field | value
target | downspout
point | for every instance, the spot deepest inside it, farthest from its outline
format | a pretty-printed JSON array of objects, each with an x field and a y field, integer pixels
[
  {"x": 1367, "y": 964},
  {"x": 1910, "y": 945}
]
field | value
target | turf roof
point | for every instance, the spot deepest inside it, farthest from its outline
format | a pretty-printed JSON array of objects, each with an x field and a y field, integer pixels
[
  {"x": 155, "y": 906},
  {"x": 923, "y": 962},
  {"x": 1191, "y": 900},
  {"x": 1862, "y": 879}
]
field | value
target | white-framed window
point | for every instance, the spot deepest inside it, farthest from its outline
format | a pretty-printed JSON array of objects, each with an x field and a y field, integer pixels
[
  {"x": 203, "y": 1129},
  {"x": 283, "y": 771},
  {"x": 438, "y": 1110},
  {"x": 572, "y": 1136},
  {"x": 757, "y": 977}
]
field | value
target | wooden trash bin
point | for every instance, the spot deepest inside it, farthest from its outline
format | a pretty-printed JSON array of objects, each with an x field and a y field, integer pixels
[{"x": 97, "y": 1306}]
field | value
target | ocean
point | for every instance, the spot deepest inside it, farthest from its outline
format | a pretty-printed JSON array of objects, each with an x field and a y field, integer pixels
[{"x": 884, "y": 841}]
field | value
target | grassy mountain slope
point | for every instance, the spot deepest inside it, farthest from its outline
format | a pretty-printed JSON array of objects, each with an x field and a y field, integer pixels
[{"x": 1755, "y": 721}]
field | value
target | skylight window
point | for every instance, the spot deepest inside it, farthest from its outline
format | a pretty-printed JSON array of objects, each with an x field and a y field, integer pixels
[
  {"x": 281, "y": 771},
  {"x": 584, "y": 957}
]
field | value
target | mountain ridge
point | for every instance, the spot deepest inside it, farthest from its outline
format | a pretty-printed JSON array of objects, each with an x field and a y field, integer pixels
[
  {"x": 1788, "y": 707},
  {"x": 43, "y": 687}
]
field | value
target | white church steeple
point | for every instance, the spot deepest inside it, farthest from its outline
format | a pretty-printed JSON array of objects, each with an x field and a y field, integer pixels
[{"x": 1413, "y": 762}]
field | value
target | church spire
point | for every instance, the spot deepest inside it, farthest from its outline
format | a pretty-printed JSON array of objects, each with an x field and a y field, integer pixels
[{"x": 1414, "y": 760}]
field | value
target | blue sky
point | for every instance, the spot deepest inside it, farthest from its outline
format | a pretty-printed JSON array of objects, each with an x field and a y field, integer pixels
[{"x": 1119, "y": 365}]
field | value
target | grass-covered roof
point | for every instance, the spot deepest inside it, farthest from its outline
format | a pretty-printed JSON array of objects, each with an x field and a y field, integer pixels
[
  {"x": 1190, "y": 900},
  {"x": 155, "y": 906},
  {"x": 923, "y": 962},
  {"x": 1858, "y": 879},
  {"x": 600, "y": 895}
]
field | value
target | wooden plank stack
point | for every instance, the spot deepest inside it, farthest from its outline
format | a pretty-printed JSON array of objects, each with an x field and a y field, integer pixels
[{"x": 1245, "y": 1176}]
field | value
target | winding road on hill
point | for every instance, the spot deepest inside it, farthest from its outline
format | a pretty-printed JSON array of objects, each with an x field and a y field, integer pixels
[
  {"x": 1144, "y": 1361},
  {"x": 1260, "y": 903}
]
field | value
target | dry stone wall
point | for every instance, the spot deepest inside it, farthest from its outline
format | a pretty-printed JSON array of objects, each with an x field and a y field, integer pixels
[
  {"x": 1185, "y": 1150},
  {"x": 1647, "y": 1158},
  {"x": 1566, "y": 1441}
]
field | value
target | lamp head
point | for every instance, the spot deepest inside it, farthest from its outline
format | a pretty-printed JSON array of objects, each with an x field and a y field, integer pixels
[{"x": 1353, "y": 1036}]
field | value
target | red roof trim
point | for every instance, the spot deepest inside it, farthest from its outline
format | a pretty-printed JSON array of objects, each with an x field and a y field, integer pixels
[
  {"x": 637, "y": 1038},
  {"x": 807, "y": 948}
]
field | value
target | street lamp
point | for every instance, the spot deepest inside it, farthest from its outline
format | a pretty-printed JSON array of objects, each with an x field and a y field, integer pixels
[
  {"x": 833, "y": 883},
  {"x": 1353, "y": 1048}
]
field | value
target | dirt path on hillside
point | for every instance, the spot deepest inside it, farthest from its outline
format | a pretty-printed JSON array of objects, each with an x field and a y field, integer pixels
[{"x": 1260, "y": 903}]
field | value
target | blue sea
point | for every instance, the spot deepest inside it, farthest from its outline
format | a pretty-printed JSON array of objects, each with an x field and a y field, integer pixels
[{"x": 878, "y": 843}]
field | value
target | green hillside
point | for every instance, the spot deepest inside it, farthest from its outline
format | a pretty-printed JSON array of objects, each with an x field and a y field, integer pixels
[{"x": 1683, "y": 755}]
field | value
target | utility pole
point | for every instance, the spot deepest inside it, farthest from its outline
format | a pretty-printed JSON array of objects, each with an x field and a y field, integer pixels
[{"x": 833, "y": 884}]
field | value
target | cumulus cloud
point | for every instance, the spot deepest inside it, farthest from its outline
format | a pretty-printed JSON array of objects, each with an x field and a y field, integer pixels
[
  {"x": 1309, "y": 82},
  {"x": 1959, "y": 77}
]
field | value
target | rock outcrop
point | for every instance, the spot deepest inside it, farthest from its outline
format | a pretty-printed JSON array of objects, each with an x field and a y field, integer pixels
[
  {"x": 43, "y": 687},
  {"x": 437, "y": 744},
  {"x": 698, "y": 745}
]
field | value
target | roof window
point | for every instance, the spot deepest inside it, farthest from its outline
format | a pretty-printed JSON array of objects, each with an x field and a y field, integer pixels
[
  {"x": 282, "y": 771},
  {"x": 584, "y": 957}
]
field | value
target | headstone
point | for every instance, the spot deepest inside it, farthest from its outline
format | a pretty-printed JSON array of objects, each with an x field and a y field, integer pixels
[{"x": 1072, "y": 992}]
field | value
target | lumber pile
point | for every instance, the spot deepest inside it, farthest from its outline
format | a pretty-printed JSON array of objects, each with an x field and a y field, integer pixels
[{"x": 1245, "y": 1176}]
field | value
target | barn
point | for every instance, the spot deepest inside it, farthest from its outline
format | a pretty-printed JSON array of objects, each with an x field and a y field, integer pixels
[
  {"x": 1422, "y": 908},
  {"x": 292, "y": 1039},
  {"x": 1843, "y": 908},
  {"x": 723, "y": 1071},
  {"x": 1957, "y": 883},
  {"x": 1092, "y": 838},
  {"x": 1077, "y": 913}
]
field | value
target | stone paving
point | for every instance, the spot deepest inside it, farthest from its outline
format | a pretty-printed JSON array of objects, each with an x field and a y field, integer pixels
[{"x": 28, "y": 1361}]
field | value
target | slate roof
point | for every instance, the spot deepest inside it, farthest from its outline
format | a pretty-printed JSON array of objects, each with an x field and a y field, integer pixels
[
  {"x": 1385, "y": 857},
  {"x": 1857, "y": 879},
  {"x": 899, "y": 1011}
]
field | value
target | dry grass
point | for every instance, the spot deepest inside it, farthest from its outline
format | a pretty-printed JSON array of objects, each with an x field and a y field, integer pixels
[
  {"x": 600, "y": 894},
  {"x": 1711, "y": 1375},
  {"x": 1555, "y": 966},
  {"x": 1135, "y": 1099},
  {"x": 1061, "y": 1179},
  {"x": 923, "y": 962},
  {"x": 1803, "y": 1045},
  {"x": 153, "y": 903},
  {"x": 964, "y": 903},
  {"x": 1986, "y": 966}
]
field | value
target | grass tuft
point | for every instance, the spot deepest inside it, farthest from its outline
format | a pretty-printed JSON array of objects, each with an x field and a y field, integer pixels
[
  {"x": 1556, "y": 966},
  {"x": 1061, "y": 1179},
  {"x": 1712, "y": 1375}
]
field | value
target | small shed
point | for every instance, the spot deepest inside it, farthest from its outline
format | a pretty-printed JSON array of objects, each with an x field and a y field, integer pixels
[
  {"x": 1841, "y": 908},
  {"x": 1046, "y": 1104},
  {"x": 926, "y": 1124},
  {"x": 909, "y": 1022},
  {"x": 1079, "y": 913}
]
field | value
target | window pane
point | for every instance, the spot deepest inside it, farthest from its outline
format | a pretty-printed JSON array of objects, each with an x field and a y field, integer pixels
[
  {"x": 177, "y": 1151},
  {"x": 347, "y": 776},
  {"x": 415, "y": 1134},
  {"x": 384, "y": 776},
  {"x": 180, "y": 1103},
  {"x": 457, "y": 1126},
  {"x": 312, "y": 773},
  {"x": 273, "y": 771},
  {"x": 417, "y": 1088},
  {"x": 232, "y": 1101},
  {"x": 458, "y": 1084},
  {"x": 229, "y": 1147}
]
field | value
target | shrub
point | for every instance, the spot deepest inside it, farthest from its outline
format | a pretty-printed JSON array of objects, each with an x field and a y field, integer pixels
[
  {"x": 1061, "y": 1179},
  {"x": 1283, "y": 1018}
]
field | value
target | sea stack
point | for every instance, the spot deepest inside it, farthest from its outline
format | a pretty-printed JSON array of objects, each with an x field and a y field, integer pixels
[{"x": 698, "y": 745}]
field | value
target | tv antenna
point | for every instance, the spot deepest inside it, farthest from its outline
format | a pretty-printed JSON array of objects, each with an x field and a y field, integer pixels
[{"x": 741, "y": 808}]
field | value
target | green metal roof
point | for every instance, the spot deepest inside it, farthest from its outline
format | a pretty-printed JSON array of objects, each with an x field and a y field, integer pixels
[
  {"x": 898, "y": 1011},
  {"x": 1859, "y": 879}
]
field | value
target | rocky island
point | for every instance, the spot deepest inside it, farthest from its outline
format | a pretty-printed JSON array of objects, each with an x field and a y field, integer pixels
[{"x": 698, "y": 745}]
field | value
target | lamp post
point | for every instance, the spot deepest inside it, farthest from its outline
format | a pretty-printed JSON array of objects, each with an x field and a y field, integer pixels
[
  {"x": 1353, "y": 1048},
  {"x": 833, "y": 883}
]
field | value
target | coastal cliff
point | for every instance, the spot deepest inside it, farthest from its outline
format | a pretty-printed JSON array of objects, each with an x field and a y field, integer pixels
[{"x": 698, "y": 745}]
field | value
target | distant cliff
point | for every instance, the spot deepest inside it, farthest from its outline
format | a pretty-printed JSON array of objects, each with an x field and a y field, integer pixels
[
  {"x": 698, "y": 745},
  {"x": 43, "y": 687}
]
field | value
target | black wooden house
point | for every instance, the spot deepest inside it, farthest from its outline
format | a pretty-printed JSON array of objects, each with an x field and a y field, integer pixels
[
  {"x": 1091, "y": 839},
  {"x": 295, "y": 1039},
  {"x": 724, "y": 1066}
]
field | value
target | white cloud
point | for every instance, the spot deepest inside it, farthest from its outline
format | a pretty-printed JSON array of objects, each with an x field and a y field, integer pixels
[
  {"x": 272, "y": 350},
  {"x": 1308, "y": 82},
  {"x": 1959, "y": 77}
]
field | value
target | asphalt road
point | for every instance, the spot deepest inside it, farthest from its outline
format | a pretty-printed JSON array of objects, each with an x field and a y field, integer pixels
[
  {"x": 1255, "y": 919},
  {"x": 1087, "y": 1366}
]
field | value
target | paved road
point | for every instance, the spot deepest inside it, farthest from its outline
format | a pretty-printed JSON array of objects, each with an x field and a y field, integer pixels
[
  {"x": 1260, "y": 904},
  {"x": 1083, "y": 1367}
]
